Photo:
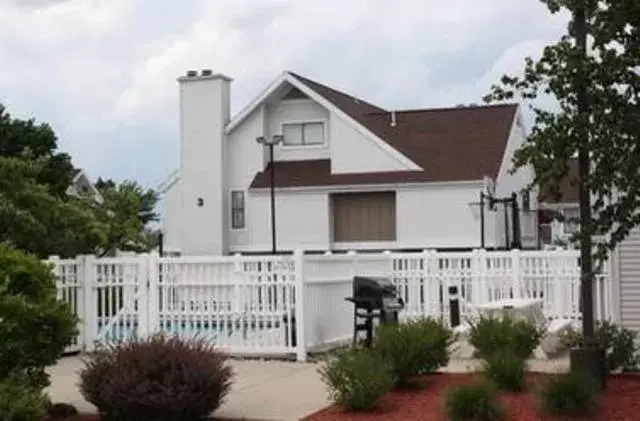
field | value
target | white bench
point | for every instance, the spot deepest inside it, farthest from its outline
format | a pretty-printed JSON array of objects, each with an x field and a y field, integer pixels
[
  {"x": 551, "y": 342},
  {"x": 531, "y": 309}
]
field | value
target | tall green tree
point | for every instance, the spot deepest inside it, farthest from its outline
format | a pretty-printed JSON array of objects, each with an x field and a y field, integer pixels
[
  {"x": 19, "y": 137},
  {"x": 592, "y": 73},
  {"x": 33, "y": 219},
  {"x": 609, "y": 126},
  {"x": 128, "y": 209}
]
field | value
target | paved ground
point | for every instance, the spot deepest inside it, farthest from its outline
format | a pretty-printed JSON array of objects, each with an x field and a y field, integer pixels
[{"x": 264, "y": 390}]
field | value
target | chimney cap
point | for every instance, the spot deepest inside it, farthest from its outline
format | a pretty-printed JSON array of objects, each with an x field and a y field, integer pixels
[{"x": 205, "y": 74}]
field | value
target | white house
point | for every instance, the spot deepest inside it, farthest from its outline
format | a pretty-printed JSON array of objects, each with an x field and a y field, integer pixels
[
  {"x": 82, "y": 186},
  {"x": 348, "y": 174},
  {"x": 559, "y": 219}
]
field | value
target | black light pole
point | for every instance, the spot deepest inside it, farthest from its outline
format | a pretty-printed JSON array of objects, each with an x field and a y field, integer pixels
[
  {"x": 275, "y": 139},
  {"x": 515, "y": 221}
]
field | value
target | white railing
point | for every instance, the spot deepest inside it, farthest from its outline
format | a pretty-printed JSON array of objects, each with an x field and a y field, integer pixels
[{"x": 279, "y": 305}]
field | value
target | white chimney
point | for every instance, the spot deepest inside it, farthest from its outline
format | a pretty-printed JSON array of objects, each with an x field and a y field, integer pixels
[{"x": 204, "y": 112}]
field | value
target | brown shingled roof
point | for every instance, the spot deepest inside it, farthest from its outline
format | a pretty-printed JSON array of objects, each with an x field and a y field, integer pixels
[{"x": 450, "y": 144}]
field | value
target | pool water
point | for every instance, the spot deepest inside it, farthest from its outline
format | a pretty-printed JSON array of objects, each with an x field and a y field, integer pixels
[{"x": 219, "y": 332}]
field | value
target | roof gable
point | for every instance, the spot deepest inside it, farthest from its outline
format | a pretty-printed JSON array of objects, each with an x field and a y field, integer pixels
[{"x": 347, "y": 107}]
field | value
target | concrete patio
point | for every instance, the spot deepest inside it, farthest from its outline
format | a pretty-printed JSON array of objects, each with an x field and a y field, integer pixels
[{"x": 263, "y": 390}]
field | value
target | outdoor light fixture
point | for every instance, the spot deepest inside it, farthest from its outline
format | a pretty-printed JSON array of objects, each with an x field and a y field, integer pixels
[{"x": 271, "y": 142}]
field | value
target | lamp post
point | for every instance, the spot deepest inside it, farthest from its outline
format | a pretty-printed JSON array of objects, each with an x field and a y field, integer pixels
[{"x": 271, "y": 142}]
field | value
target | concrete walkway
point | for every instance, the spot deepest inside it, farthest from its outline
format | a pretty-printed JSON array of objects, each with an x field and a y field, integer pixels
[{"x": 263, "y": 390}]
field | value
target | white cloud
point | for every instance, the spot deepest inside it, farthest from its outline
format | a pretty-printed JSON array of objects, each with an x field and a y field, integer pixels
[{"x": 103, "y": 71}]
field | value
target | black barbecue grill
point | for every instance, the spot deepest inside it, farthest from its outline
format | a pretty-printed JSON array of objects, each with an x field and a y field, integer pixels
[{"x": 373, "y": 298}]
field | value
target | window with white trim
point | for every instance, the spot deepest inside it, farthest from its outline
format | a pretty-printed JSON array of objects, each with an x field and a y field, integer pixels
[
  {"x": 303, "y": 134},
  {"x": 237, "y": 209}
]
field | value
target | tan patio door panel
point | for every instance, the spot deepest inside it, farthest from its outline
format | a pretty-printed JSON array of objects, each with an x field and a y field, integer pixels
[{"x": 364, "y": 216}]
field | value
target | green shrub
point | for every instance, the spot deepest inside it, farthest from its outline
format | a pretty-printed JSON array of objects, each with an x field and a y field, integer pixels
[
  {"x": 491, "y": 334},
  {"x": 159, "y": 378},
  {"x": 414, "y": 348},
  {"x": 357, "y": 378},
  {"x": 506, "y": 370},
  {"x": 474, "y": 402},
  {"x": 61, "y": 411},
  {"x": 21, "y": 401},
  {"x": 36, "y": 327},
  {"x": 620, "y": 344},
  {"x": 568, "y": 394}
]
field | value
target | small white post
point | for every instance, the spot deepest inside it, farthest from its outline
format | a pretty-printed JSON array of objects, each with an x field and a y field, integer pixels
[
  {"x": 354, "y": 262},
  {"x": 434, "y": 283},
  {"x": 476, "y": 278},
  {"x": 238, "y": 285},
  {"x": 142, "y": 286},
  {"x": 87, "y": 280},
  {"x": 516, "y": 278},
  {"x": 561, "y": 283},
  {"x": 153, "y": 292},
  {"x": 613, "y": 286},
  {"x": 484, "y": 283},
  {"x": 55, "y": 261},
  {"x": 301, "y": 343}
]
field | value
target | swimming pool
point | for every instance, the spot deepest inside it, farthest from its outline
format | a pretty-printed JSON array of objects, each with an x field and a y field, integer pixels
[{"x": 222, "y": 332}]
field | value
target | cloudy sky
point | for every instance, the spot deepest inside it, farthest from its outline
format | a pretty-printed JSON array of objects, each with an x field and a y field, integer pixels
[{"x": 102, "y": 72}]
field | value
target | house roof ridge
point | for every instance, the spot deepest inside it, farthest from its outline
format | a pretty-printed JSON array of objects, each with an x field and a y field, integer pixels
[{"x": 306, "y": 80}]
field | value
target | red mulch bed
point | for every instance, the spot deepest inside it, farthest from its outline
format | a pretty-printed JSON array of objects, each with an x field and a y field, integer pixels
[
  {"x": 619, "y": 402},
  {"x": 94, "y": 417}
]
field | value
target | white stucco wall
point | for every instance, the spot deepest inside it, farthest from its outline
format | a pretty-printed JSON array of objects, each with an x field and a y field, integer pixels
[
  {"x": 172, "y": 209},
  {"x": 507, "y": 183},
  {"x": 204, "y": 112},
  {"x": 439, "y": 216},
  {"x": 302, "y": 222},
  {"x": 349, "y": 143}
]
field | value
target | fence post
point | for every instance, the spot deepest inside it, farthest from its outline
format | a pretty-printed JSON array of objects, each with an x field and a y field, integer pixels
[
  {"x": 153, "y": 286},
  {"x": 561, "y": 283},
  {"x": 88, "y": 285},
  {"x": 482, "y": 273},
  {"x": 142, "y": 286},
  {"x": 301, "y": 342},
  {"x": 611, "y": 288},
  {"x": 516, "y": 278},
  {"x": 434, "y": 284},
  {"x": 354, "y": 262},
  {"x": 239, "y": 283}
]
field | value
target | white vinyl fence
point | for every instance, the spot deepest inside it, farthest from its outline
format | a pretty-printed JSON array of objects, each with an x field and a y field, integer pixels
[{"x": 291, "y": 305}]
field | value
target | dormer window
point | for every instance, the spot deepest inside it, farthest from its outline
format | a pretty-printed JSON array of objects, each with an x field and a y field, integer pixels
[{"x": 303, "y": 134}]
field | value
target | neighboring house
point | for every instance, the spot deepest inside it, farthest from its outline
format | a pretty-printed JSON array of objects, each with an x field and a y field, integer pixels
[
  {"x": 348, "y": 175},
  {"x": 559, "y": 216},
  {"x": 81, "y": 186}
]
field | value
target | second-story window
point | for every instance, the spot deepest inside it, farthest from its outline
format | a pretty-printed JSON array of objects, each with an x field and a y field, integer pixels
[{"x": 303, "y": 134}]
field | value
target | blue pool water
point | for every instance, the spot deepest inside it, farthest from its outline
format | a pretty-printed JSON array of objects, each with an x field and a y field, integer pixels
[{"x": 128, "y": 329}]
